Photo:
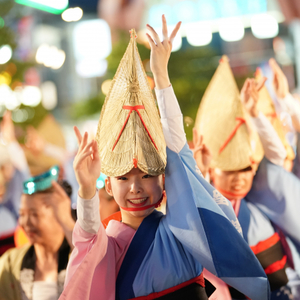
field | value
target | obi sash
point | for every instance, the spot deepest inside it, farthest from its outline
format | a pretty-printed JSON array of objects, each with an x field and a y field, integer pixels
[{"x": 192, "y": 290}]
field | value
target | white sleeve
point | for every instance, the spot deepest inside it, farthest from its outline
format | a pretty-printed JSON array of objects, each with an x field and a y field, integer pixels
[
  {"x": 171, "y": 119},
  {"x": 292, "y": 107},
  {"x": 273, "y": 147},
  {"x": 18, "y": 158},
  {"x": 88, "y": 215}
]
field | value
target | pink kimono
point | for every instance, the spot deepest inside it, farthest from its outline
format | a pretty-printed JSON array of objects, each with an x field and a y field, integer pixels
[{"x": 104, "y": 260}]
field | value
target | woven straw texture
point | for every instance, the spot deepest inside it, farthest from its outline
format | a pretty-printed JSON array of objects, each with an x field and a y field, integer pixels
[
  {"x": 266, "y": 106},
  {"x": 218, "y": 116},
  {"x": 134, "y": 147}
]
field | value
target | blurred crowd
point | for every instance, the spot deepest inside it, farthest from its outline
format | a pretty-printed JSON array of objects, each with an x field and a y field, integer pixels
[{"x": 36, "y": 223}]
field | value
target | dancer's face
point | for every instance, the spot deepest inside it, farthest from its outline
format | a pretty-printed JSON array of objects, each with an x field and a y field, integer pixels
[
  {"x": 37, "y": 218},
  {"x": 233, "y": 184},
  {"x": 135, "y": 189}
]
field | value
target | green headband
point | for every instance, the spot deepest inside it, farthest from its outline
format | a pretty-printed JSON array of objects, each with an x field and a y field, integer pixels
[
  {"x": 41, "y": 182},
  {"x": 101, "y": 181}
]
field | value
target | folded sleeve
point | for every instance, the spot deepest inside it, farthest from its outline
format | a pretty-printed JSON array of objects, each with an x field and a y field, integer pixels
[
  {"x": 171, "y": 119},
  {"x": 292, "y": 107},
  {"x": 87, "y": 230},
  {"x": 273, "y": 147},
  {"x": 88, "y": 214}
]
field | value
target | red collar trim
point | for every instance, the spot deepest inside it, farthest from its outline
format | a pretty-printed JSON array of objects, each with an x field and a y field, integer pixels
[{"x": 230, "y": 195}]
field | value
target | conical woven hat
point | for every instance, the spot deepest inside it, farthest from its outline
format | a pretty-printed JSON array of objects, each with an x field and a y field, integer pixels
[
  {"x": 222, "y": 122},
  {"x": 266, "y": 106},
  {"x": 129, "y": 131}
]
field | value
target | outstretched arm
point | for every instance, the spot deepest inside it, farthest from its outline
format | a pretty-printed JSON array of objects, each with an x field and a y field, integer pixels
[
  {"x": 87, "y": 170},
  {"x": 160, "y": 53},
  {"x": 37, "y": 145},
  {"x": 201, "y": 154},
  {"x": 15, "y": 151},
  {"x": 171, "y": 116},
  {"x": 287, "y": 102},
  {"x": 61, "y": 205},
  {"x": 273, "y": 147}
]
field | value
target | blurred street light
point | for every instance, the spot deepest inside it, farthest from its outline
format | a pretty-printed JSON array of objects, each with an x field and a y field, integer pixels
[
  {"x": 8, "y": 97},
  {"x": 72, "y": 14},
  {"x": 199, "y": 33},
  {"x": 5, "y": 54},
  {"x": 50, "y": 56},
  {"x": 92, "y": 44},
  {"x": 91, "y": 68},
  {"x": 264, "y": 26},
  {"x": 20, "y": 115},
  {"x": 231, "y": 29},
  {"x": 49, "y": 95},
  {"x": 31, "y": 96},
  {"x": 92, "y": 39}
]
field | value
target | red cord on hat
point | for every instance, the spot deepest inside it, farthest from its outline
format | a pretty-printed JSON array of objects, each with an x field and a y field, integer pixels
[
  {"x": 233, "y": 132},
  {"x": 135, "y": 108}
]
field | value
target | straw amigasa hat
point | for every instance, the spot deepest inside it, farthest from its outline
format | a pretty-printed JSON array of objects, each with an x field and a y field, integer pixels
[
  {"x": 266, "y": 106},
  {"x": 129, "y": 131},
  {"x": 224, "y": 124}
]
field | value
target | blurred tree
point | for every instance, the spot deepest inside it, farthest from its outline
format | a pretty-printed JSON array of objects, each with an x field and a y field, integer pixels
[{"x": 12, "y": 73}]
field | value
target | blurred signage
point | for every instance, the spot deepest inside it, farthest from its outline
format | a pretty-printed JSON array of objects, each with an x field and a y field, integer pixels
[
  {"x": 51, "y": 6},
  {"x": 204, "y": 10}
]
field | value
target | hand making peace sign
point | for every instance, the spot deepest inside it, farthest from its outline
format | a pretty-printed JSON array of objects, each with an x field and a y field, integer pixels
[
  {"x": 160, "y": 53},
  {"x": 250, "y": 96},
  {"x": 280, "y": 83},
  {"x": 86, "y": 165}
]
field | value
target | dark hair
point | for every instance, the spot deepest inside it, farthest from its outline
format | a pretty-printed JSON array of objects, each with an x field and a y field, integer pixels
[
  {"x": 66, "y": 187},
  {"x": 63, "y": 183}
]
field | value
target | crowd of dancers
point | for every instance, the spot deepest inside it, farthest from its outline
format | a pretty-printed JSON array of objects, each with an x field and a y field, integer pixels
[{"x": 213, "y": 218}]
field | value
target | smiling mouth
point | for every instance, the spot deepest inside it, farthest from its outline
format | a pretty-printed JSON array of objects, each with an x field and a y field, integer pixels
[
  {"x": 238, "y": 188},
  {"x": 138, "y": 202},
  {"x": 31, "y": 233}
]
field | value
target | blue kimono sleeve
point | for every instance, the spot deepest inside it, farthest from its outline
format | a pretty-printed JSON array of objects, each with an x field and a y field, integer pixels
[
  {"x": 276, "y": 193},
  {"x": 205, "y": 224}
]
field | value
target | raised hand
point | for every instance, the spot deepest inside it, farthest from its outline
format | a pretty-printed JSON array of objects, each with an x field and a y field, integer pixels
[
  {"x": 7, "y": 128},
  {"x": 201, "y": 153},
  {"x": 86, "y": 165},
  {"x": 249, "y": 95},
  {"x": 61, "y": 206},
  {"x": 160, "y": 53},
  {"x": 34, "y": 142},
  {"x": 280, "y": 83}
]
